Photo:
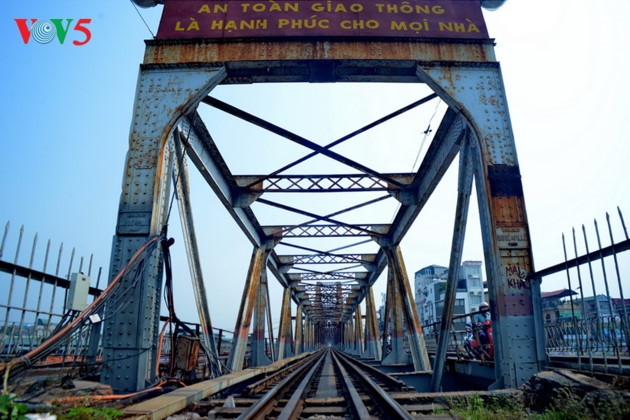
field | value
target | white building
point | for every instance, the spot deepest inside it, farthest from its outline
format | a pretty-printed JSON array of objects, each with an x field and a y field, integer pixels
[{"x": 430, "y": 288}]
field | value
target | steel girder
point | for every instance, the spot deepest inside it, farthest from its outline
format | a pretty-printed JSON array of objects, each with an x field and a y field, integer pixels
[
  {"x": 256, "y": 184},
  {"x": 372, "y": 333},
  {"x": 247, "y": 308},
  {"x": 130, "y": 336},
  {"x": 181, "y": 183},
  {"x": 477, "y": 92},
  {"x": 258, "y": 356},
  {"x": 459, "y": 230}
]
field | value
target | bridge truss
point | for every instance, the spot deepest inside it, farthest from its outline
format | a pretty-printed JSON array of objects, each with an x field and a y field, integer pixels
[{"x": 168, "y": 130}]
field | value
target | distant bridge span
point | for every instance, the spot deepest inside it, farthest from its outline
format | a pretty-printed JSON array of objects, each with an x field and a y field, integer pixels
[{"x": 179, "y": 72}]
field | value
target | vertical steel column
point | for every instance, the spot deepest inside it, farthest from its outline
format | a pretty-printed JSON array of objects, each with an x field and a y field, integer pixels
[
  {"x": 412, "y": 321},
  {"x": 257, "y": 353},
  {"x": 349, "y": 348},
  {"x": 309, "y": 334},
  {"x": 478, "y": 93},
  {"x": 299, "y": 347},
  {"x": 397, "y": 355},
  {"x": 306, "y": 334},
  {"x": 358, "y": 331},
  {"x": 272, "y": 345},
  {"x": 182, "y": 187},
  {"x": 387, "y": 313},
  {"x": 285, "y": 333},
  {"x": 372, "y": 343},
  {"x": 464, "y": 188},
  {"x": 163, "y": 96},
  {"x": 244, "y": 319}
]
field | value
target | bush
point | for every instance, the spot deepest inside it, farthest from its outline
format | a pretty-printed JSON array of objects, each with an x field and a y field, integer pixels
[
  {"x": 89, "y": 413},
  {"x": 10, "y": 409}
]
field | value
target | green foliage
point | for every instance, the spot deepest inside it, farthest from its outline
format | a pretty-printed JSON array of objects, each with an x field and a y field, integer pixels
[
  {"x": 595, "y": 405},
  {"x": 566, "y": 406},
  {"x": 10, "y": 409},
  {"x": 90, "y": 413},
  {"x": 494, "y": 408}
]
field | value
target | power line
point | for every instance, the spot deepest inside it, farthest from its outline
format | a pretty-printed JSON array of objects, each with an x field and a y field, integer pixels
[{"x": 145, "y": 22}]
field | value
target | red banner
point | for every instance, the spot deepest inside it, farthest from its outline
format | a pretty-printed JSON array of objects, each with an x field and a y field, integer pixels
[{"x": 460, "y": 19}]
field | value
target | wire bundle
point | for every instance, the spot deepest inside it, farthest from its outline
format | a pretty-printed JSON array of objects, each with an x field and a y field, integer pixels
[{"x": 64, "y": 333}]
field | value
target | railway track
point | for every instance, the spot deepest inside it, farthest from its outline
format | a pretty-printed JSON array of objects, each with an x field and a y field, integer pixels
[{"x": 327, "y": 384}]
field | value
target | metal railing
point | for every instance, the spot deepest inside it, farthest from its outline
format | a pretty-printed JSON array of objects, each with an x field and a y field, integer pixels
[
  {"x": 32, "y": 302},
  {"x": 589, "y": 329}
]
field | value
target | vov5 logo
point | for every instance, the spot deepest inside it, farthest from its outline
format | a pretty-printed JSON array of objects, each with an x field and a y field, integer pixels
[{"x": 44, "y": 31}]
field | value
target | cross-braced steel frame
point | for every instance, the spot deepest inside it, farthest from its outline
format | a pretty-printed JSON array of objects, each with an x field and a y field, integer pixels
[{"x": 177, "y": 77}]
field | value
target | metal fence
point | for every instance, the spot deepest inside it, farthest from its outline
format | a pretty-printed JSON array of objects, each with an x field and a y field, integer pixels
[
  {"x": 591, "y": 327},
  {"x": 34, "y": 294},
  {"x": 588, "y": 327}
]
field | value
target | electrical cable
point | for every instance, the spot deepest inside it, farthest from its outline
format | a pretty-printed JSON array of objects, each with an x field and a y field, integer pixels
[
  {"x": 145, "y": 22},
  {"x": 213, "y": 363},
  {"x": 18, "y": 365},
  {"x": 426, "y": 134},
  {"x": 179, "y": 169}
]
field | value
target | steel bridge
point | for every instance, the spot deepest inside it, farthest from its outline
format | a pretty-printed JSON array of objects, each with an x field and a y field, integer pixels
[
  {"x": 323, "y": 244},
  {"x": 180, "y": 70}
]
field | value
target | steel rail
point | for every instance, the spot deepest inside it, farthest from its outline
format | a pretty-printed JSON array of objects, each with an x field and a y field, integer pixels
[
  {"x": 386, "y": 401},
  {"x": 361, "y": 410},
  {"x": 375, "y": 373},
  {"x": 290, "y": 411},
  {"x": 267, "y": 403},
  {"x": 267, "y": 381}
]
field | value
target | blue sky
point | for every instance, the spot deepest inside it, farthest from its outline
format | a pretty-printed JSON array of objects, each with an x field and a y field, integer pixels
[{"x": 66, "y": 113}]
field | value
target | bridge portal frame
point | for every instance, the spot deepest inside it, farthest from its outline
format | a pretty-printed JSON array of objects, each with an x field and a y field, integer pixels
[{"x": 177, "y": 75}]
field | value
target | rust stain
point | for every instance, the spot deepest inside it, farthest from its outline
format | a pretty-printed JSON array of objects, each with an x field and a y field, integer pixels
[{"x": 171, "y": 52}]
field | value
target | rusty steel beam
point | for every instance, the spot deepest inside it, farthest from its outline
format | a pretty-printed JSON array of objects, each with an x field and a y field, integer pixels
[
  {"x": 394, "y": 307},
  {"x": 319, "y": 61},
  {"x": 405, "y": 304},
  {"x": 299, "y": 330},
  {"x": 372, "y": 332},
  {"x": 315, "y": 276},
  {"x": 358, "y": 332},
  {"x": 326, "y": 258},
  {"x": 246, "y": 309},
  {"x": 326, "y": 231},
  {"x": 285, "y": 333},
  {"x": 257, "y": 354},
  {"x": 320, "y": 183}
]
